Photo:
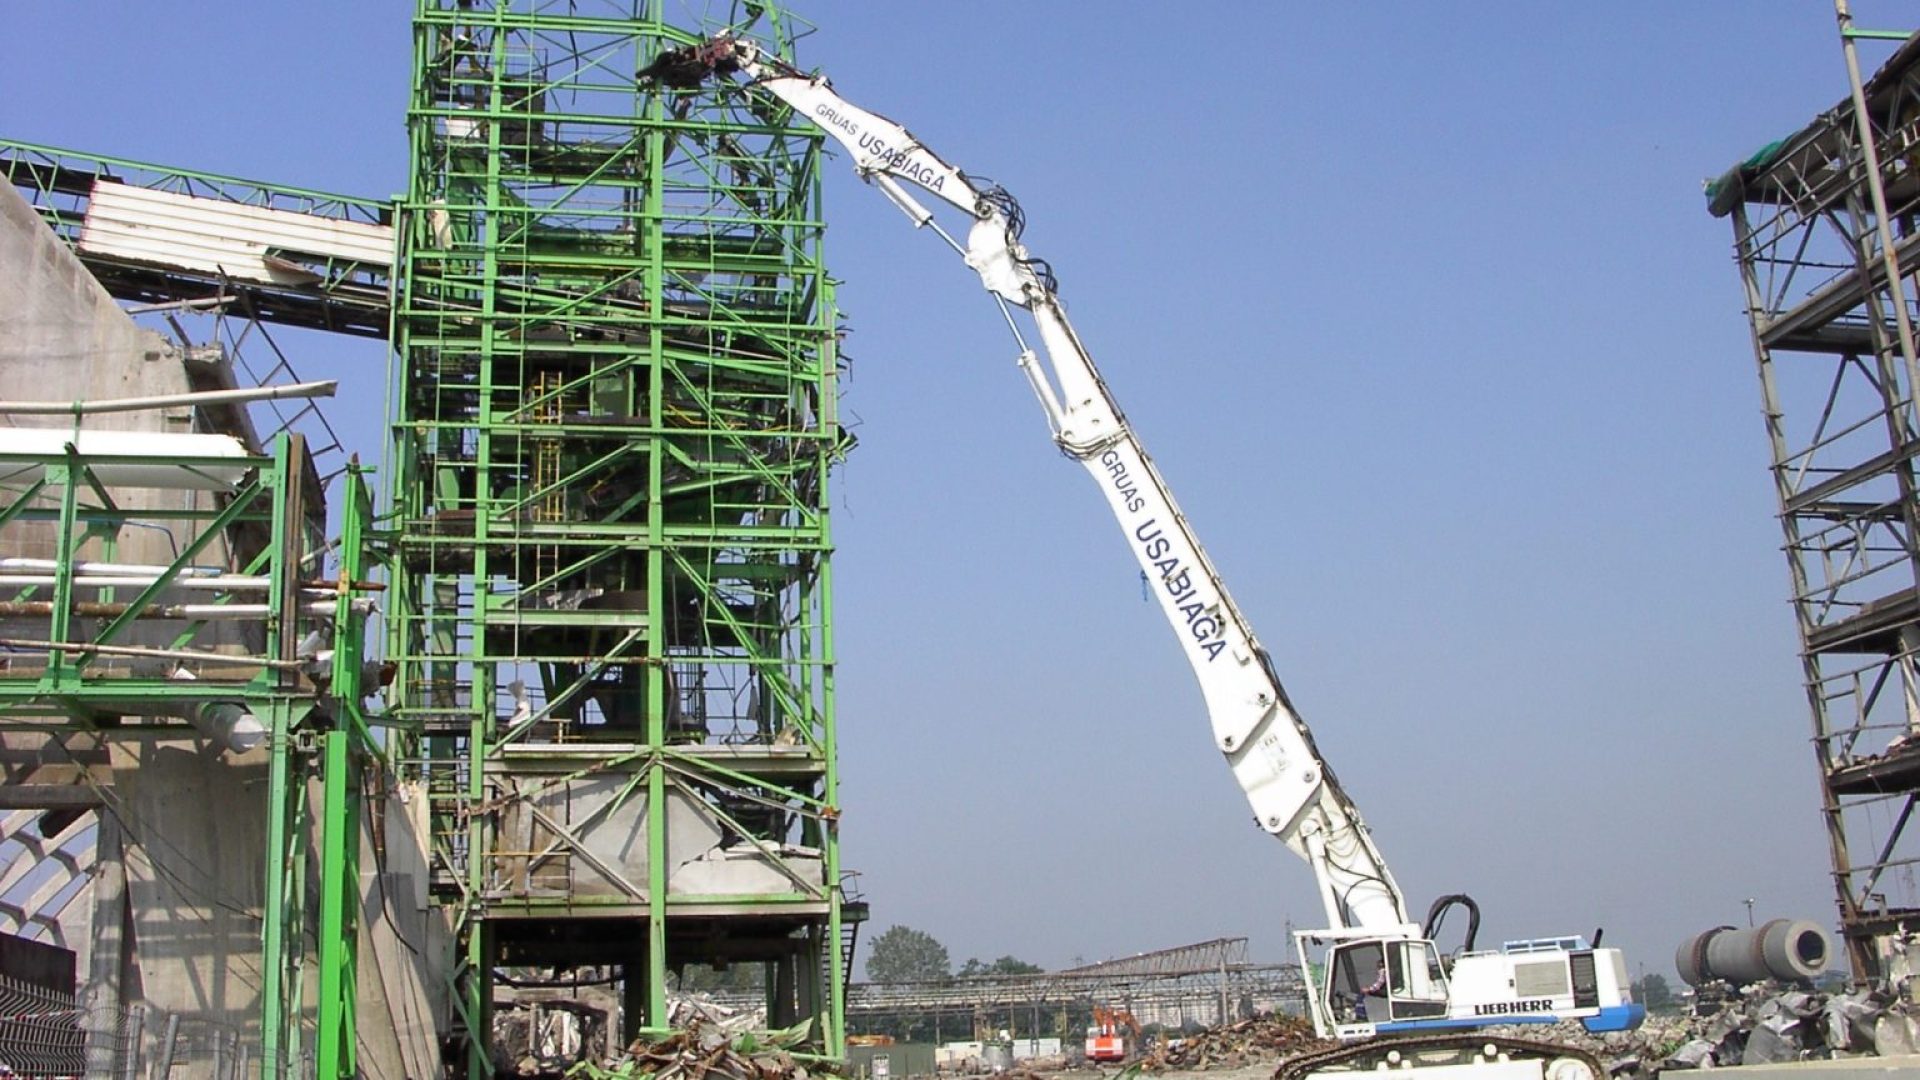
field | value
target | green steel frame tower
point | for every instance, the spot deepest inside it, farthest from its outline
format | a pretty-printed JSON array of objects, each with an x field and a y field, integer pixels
[{"x": 613, "y": 420}]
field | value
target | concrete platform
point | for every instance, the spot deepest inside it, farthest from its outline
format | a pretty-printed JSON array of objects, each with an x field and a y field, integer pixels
[{"x": 1855, "y": 1068}]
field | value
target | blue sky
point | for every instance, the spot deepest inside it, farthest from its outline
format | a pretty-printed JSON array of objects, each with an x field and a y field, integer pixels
[{"x": 1420, "y": 310}]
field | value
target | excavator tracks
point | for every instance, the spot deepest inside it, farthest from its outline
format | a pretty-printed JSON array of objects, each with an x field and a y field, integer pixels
[{"x": 1459, "y": 1050}]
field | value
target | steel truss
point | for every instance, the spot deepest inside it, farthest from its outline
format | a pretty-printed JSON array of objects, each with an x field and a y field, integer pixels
[
  {"x": 1209, "y": 982},
  {"x": 1220, "y": 954},
  {"x": 615, "y": 412},
  {"x": 1170, "y": 1000},
  {"x": 1825, "y": 241}
]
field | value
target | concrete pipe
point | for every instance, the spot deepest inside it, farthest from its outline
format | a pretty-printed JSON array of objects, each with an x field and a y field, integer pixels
[{"x": 1786, "y": 949}]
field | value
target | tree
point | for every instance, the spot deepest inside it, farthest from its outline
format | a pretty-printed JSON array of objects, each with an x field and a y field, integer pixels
[
  {"x": 738, "y": 976},
  {"x": 1006, "y": 965},
  {"x": 903, "y": 954},
  {"x": 1653, "y": 991}
]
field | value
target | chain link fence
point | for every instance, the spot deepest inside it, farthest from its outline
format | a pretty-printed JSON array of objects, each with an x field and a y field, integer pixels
[
  {"x": 190, "y": 1048},
  {"x": 48, "y": 1035},
  {"x": 41, "y": 1032}
]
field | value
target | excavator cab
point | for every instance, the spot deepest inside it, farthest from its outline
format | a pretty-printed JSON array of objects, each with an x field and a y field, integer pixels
[{"x": 1384, "y": 981}]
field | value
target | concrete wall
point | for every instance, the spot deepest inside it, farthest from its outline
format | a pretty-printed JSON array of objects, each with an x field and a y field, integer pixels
[
  {"x": 404, "y": 942},
  {"x": 195, "y": 836},
  {"x": 903, "y": 1060},
  {"x": 62, "y": 336}
]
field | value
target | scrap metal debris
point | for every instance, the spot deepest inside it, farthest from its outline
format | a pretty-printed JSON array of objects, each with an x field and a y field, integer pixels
[
  {"x": 544, "y": 1038},
  {"x": 1763, "y": 1024},
  {"x": 706, "y": 1052},
  {"x": 538, "y": 1033},
  {"x": 689, "y": 66},
  {"x": 688, "y": 1009},
  {"x": 1244, "y": 1042}
]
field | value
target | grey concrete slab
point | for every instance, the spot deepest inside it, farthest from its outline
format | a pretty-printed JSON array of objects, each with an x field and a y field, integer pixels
[{"x": 1859, "y": 1068}]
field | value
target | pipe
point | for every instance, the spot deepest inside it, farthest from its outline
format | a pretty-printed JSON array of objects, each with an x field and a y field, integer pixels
[
  {"x": 166, "y": 1052},
  {"x": 1790, "y": 950},
  {"x": 94, "y": 609},
  {"x": 80, "y": 648},
  {"x": 236, "y": 583},
  {"x": 323, "y": 388},
  {"x": 91, "y": 575},
  {"x": 223, "y": 583},
  {"x": 195, "y": 304},
  {"x": 227, "y": 722},
  {"x": 15, "y": 563},
  {"x": 230, "y": 723}
]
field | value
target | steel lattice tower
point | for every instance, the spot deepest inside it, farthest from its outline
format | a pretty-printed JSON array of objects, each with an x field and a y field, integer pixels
[
  {"x": 1824, "y": 225},
  {"x": 613, "y": 421}
]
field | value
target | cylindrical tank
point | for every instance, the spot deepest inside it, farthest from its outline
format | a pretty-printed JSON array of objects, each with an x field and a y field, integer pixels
[
  {"x": 1787, "y": 949},
  {"x": 998, "y": 1057}
]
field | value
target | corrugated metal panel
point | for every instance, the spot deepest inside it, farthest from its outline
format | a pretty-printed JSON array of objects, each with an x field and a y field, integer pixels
[{"x": 249, "y": 243}]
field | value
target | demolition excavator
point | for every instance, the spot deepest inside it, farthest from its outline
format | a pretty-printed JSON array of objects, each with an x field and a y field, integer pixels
[
  {"x": 1376, "y": 980},
  {"x": 1113, "y": 1036}
]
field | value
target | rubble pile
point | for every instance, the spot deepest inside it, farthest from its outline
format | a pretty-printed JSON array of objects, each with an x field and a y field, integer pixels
[
  {"x": 707, "y": 1052},
  {"x": 545, "y": 1038},
  {"x": 1246, "y": 1042},
  {"x": 1763, "y": 1025},
  {"x": 688, "y": 1008}
]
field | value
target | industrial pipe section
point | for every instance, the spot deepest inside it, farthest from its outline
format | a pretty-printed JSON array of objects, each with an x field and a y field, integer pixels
[{"x": 1790, "y": 950}]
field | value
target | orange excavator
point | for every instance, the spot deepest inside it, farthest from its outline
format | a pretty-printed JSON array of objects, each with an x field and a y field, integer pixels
[{"x": 1113, "y": 1035}]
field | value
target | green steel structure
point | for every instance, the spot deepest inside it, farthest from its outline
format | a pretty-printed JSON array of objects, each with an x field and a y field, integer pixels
[
  {"x": 613, "y": 417},
  {"x": 115, "y": 641},
  {"x": 181, "y": 648}
]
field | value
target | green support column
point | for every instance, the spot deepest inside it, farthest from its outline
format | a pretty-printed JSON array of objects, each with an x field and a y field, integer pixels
[
  {"x": 275, "y": 939},
  {"x": 339, "y": 840},
  {"x": 68, "y": 476},
  {"x": 653, "y": 218}
]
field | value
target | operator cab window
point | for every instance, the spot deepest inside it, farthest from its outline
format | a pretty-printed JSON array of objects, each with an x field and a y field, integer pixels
[
  {"x": 1354, "y": 989},
  {"x": 1379, "y": 981},
  {"x": 1416, "y": 987}
]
